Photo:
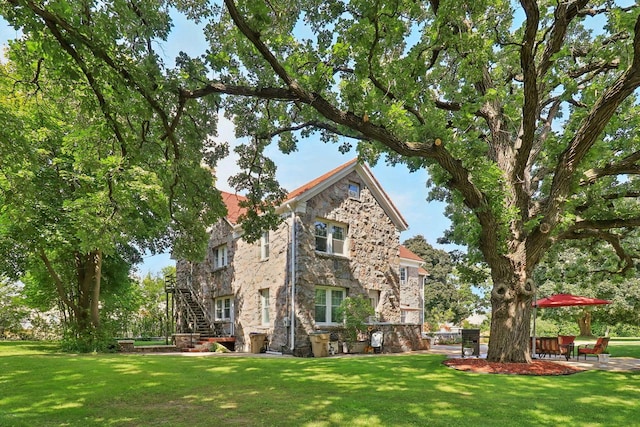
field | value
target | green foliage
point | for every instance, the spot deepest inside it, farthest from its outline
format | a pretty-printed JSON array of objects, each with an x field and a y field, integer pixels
[
  {"x": 582, "y": 269},
  {"x": 147, "y": 317},
  {"x": 92, "y": 175},
  {"x": 356, "y": 312},
  {"x": 80, "y": 340},
  {"x": 525, "y": 114},
  {"x": 13, "y": 310},
  {"x": 447, "y": 296}
]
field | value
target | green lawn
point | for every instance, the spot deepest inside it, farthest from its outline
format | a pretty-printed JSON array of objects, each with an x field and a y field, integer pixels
[{"x": 39, "y": 387}]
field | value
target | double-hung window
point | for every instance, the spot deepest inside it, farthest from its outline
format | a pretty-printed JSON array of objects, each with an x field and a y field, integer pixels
[
  {"x": 223, "y": 308},
  {"x": 403, "y": 275},
  {"x": 220, "y": 258},
  {"x": 327, "y": 302},
  {"x": 330, "y": 237},
  {"x": 264, "y": 245},
  {"x": 264, "y": 306}
]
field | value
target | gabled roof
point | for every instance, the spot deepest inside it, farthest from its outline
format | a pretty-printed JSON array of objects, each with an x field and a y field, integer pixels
[
  {"x": 407, "y": 254},
  {"x": 312, "y": 188},
  {"x": 309, "y": 186},
  {"x": 407, "y": 257},
  {"x": 232, "y": 201}
]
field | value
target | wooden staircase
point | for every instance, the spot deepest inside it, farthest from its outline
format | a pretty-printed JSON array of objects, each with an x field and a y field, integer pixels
[{"x": 197, "y": 319}]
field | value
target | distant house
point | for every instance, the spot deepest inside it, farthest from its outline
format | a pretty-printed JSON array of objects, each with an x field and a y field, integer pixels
[{"x": 339, "y": 237}]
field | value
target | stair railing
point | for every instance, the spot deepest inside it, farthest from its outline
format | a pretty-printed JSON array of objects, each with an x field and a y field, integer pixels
[
  {"x": 191, "y": 318},
  {"x": 194, "y": 296}
]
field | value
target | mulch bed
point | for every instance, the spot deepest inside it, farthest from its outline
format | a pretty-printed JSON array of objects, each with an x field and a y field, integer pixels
[{"x": 536, "y": 367}]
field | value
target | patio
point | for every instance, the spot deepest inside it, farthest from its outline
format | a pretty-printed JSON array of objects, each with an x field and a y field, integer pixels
[{"x": 616, "y": 364}]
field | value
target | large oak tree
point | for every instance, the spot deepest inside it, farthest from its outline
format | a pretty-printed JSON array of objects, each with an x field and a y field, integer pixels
[{"x": 525, "y": 114}]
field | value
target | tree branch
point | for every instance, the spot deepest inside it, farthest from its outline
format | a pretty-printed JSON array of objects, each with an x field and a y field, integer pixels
[
  {"x": 586, "y": 135},
  {"x": 626, "y": 260},
  {"x": 628, "y": 166},
  {"x": 57, "y": 281}
]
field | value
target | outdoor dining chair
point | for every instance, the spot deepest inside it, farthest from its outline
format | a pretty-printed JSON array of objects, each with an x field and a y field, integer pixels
[{"x": 598, "y": 348}]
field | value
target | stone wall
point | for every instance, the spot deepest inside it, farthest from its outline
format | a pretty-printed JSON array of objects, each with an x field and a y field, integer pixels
[
  {"x": 253, "y": 275},
  {"x": 399, "y": 338},
  {"x": 373, "y": 260},
  {"x": 372, "y": 264},
  {"x": 411, "y": 296}
]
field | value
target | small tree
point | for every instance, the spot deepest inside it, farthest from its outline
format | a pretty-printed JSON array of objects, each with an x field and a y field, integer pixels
[{"x": 355, "y": 311}]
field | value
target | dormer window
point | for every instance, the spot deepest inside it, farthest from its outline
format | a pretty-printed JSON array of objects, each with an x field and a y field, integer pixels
[
  {"x": 330, "y": 237},
  {"x": 354, "y": 190}
]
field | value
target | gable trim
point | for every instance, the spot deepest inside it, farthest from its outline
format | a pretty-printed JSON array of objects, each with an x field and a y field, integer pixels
[{"x": 313, "y": 188}]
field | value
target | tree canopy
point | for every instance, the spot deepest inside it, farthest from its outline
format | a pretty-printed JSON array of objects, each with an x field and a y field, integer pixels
[
  {"x": 447, "y": 298},
  {"x": 525, "y": 114},
  {"x": 87, "y": 182}
]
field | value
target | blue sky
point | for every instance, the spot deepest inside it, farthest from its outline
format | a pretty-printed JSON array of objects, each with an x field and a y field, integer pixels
[{"x": 313, "y": 158}]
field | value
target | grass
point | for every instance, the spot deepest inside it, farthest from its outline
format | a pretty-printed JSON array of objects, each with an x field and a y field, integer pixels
[{"x": 39, "y": 386}]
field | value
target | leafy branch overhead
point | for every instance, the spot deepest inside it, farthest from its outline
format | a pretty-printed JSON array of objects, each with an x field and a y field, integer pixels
[
  {"x": 523, "y": 124},
  {"x": 525, "y": 114}
]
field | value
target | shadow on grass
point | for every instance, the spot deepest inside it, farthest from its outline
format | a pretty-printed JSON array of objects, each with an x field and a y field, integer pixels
[
  {"x": 128, "y": 390},
  {"x": 28, "y": 347}
]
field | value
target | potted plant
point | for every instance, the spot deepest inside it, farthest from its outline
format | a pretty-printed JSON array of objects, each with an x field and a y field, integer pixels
[
  {"x": 603, "y": 358},
  {"x": 467, "y": 351},
  {"x": 354, "y": 312}
]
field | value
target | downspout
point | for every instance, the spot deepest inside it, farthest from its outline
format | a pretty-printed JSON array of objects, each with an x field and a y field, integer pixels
[
  {"x": 422, "y": 303},
  {"x": 292, "y": 322}
]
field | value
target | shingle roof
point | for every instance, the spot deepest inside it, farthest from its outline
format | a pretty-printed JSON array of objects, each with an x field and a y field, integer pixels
[
  {"x": 232, "y": 201},
  {"x": 311, "y": 184},
  {"x": 407, "y": 254},
  {"x": 312, "y": 187}
]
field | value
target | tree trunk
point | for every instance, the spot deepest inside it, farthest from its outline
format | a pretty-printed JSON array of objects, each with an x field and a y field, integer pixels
[
  {"x": 510, "y": 321},
  {"x": 96, "y": 263},
  {"x": 88, "y": 277},
  {"x": 584, "y": 323}
]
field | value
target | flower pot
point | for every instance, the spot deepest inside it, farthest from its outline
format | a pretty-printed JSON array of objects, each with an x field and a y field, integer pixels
[
  {"x": 603, "y": 358},
  {"x": 354, "y": 347}
]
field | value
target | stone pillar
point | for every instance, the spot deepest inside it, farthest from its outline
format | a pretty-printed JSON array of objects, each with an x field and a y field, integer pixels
[{"x": 125, "y": 346}]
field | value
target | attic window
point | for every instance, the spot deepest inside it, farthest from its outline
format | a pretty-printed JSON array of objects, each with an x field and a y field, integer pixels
[{"x": 354, "y": 190}]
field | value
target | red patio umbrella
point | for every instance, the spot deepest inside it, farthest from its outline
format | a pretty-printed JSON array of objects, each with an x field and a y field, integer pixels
[
  {"x": 561, "y": 300},
  {"x": 566, "y": 300}
]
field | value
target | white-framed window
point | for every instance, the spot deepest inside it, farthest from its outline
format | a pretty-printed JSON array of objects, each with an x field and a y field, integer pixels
[
  {"x": 327, "y": 302},
  {"x": 220, "y": 258},
  {"x": 264, "y": 306},
  {"x": 374, "y": 298},
  {"x": 330, "y": 237},
  {"x": 354, "y": 190},
  {"x": 223, "y": 308},
  {"x": 403, "y": 275},
  {"x": 264, "y": 245}
]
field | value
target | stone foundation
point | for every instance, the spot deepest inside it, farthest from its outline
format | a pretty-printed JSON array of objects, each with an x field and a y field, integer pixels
[{"x": 184, "y": 341}]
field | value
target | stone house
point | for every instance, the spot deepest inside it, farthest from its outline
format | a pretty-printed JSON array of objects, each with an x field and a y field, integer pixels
[{"x": 340, "y": 236}]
